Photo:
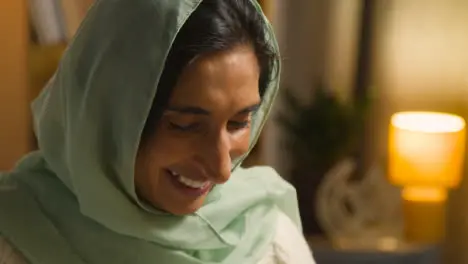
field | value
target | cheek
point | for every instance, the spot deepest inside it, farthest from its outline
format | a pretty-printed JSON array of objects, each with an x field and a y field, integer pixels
[
  {"x": 241, "y": 143},
  {"x": 167, "y": 150},
  {"x": 152, "y": 158}
]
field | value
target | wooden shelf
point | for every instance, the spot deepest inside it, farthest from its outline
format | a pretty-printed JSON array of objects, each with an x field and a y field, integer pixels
[
  {"x": 43, "y": 61},
  {"x": 14, "y": 108},
  {"x": 24, "y": 69}
]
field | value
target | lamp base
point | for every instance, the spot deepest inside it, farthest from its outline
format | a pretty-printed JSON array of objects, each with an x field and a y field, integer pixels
[{"x": 424, "y": 221}]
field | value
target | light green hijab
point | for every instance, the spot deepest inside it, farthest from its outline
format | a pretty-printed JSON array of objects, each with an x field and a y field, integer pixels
[{"x": 74, "y": 201}]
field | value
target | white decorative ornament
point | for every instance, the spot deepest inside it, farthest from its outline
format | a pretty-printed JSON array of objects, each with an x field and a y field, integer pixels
[{"x": 359, "y": 214}]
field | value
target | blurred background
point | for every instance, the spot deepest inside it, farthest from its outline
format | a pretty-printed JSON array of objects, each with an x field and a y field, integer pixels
[{"x": 348, "y": 66}]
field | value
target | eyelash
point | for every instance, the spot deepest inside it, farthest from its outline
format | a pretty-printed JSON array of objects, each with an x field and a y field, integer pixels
[
  {"x": 240, "y": 125},
  {"x": 193, "y": 127},
  {"x": 187, "y": 128}
]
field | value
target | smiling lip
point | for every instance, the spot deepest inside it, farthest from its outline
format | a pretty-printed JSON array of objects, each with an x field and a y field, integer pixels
[{"x": 186, "y": 190}]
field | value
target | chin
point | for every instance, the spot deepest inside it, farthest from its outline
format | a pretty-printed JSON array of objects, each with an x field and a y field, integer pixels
[{"x": 184, "y": 209}]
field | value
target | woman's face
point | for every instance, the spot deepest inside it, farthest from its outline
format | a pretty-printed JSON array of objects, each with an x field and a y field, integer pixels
[{"x": 204, "y": 128}]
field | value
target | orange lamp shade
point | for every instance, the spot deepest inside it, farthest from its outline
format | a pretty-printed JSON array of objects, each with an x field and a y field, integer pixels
[{"x": 426, "y": 153}]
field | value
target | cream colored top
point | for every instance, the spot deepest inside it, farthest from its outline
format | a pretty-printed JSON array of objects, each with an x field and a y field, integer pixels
[{"x": 288, "y": 247}]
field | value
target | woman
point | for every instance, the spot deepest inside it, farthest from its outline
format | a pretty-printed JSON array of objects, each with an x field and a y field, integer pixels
[{"x": 141, "y": 134}]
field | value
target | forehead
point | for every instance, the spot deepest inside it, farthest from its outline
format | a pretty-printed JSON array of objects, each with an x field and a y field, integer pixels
[{"x": 228, "y": 78}]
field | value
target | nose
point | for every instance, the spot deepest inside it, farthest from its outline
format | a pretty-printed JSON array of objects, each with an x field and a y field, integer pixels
[{"x": 217, "y": 160}]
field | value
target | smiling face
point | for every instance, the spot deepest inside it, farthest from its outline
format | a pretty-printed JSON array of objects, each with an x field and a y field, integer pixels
[{"x": 204, "y": 128}]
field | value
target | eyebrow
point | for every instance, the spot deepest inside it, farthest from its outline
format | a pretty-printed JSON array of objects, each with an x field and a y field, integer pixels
[{"x": 194, "y": 110}]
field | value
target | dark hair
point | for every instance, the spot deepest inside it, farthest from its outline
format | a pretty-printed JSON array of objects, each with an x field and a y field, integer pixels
[{"x": 216, "y": 25}]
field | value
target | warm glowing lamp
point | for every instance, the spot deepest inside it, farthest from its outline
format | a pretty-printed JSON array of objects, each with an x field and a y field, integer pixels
[{"x": 426, "y": 155}]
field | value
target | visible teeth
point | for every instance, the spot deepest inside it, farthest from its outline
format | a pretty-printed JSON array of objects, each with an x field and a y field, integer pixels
[
  {"x": 189, "y": 182},
  {"x": 192, "y": 183}
]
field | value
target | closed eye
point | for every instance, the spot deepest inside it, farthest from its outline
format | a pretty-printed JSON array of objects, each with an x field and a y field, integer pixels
[
  {"x": 232, "y": 125},
  {"x": 184, "y": 128},
  {"x": 239, "y": 125}
]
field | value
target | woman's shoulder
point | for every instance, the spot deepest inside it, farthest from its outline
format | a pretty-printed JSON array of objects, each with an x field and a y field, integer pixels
[
  {"x": 289, "y": 245},
  {"x": 9, "y": 255}
]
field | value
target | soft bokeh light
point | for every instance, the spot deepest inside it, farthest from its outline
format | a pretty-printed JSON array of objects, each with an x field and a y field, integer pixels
[
  {"x": 428, "y": 122},
  {"x": 426, "y": 153}
]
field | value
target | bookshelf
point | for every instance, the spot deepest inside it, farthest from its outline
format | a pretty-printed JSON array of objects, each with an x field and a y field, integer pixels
[
  {"x": 25, "y": 67},
  {"x": 14, "y": 94}
]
